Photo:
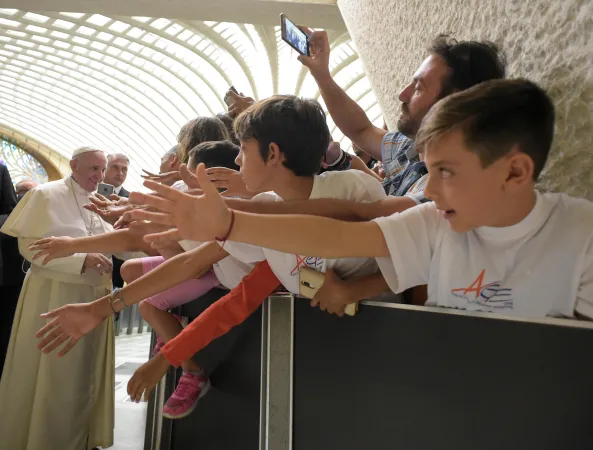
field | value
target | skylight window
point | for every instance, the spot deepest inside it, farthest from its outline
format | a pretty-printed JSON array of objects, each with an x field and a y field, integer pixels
[
  {"x": 153, "y": 82},
  {"x": 64, "y": 24},
  {"x": 119, "y": 27},
  {"x": 8, "y": 23},
  {"x": 159, "y": 24},
  {"x": 36, "y": 29},
  {"x": 36, "y": 17},
  {"x": 98, "y": 19},
  {"x": 86, "y": 31},
  {"x": 74, "y": 15},
  {"x": 40, "y": 39}
]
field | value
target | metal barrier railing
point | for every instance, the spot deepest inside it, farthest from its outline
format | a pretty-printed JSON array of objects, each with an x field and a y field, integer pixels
[{"x": 129, "y": 321}]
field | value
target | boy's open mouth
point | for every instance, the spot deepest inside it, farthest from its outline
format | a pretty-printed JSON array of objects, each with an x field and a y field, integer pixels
[{"x": 447, "y": 213}]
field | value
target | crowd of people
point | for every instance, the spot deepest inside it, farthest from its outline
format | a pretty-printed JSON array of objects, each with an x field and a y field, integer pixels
[{"x": 444, "y": 209}]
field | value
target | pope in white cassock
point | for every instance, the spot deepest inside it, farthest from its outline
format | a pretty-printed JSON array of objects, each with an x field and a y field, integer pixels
[{"x": 46, "y": 402}]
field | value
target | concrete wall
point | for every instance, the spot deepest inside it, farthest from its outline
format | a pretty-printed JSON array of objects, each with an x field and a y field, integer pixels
[{"x": 547, "y": 41}]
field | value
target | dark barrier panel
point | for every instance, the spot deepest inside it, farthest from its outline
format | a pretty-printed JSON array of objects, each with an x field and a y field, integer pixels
[
  {"x": 228, "y": 416},
  {"x": 401, "y": 379}
]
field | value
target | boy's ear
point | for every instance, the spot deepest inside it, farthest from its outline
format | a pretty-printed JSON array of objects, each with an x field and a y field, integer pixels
[
  {"x": 520, "y": 168},
  {"x": 275, "y": 156}
]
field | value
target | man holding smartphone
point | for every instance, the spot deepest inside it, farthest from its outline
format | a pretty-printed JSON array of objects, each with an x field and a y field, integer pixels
[
  {"x": 115, "y": 175},
  {"x": 450, "y": 66}
]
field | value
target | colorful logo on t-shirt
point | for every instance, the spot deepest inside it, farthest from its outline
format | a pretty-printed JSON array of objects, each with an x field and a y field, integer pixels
[
  {"x": 306, "y": 261},
  {"x": 491, "y": 295}
]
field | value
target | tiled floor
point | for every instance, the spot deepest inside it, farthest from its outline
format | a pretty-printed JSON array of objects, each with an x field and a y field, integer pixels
[{"x": 130, "y": 418}]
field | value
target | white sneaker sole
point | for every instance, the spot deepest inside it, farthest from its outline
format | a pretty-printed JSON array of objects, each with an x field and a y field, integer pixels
[{"x": 190, "y": 410}]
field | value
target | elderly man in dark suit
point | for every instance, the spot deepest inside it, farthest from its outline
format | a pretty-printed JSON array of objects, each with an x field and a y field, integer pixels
[
  {"x": 116, "y": 174},
  {"x": 11, "y": 261}
]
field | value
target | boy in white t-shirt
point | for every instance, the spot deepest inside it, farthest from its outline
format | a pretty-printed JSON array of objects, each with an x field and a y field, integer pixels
[{"x": 487, "y": 242}]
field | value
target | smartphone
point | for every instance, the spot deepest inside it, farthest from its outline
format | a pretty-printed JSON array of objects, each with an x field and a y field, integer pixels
[
  {"x": 294, "y": 36},
  {"x": 105, "y": 189},
  {"x": 227, "y": 98},
  {"x": 310, "y": 281}
]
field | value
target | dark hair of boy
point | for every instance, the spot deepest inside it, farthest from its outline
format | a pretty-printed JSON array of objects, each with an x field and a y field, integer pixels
[
  {"x": 296, "y": 125},
  {"x": 214, "y": 154},
  {"x": 471, "y": 62},
  {"x": 198, "y": 130},
  {"x": 228, "y": 123},
  {"x": 495, "y": 117}
]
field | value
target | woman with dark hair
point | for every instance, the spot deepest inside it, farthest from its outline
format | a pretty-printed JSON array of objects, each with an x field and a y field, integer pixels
[{"x": 193, "y": 133}]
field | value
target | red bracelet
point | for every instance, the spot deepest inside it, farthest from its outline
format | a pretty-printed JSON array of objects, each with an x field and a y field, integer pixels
[{"x": 228, "y": 233}]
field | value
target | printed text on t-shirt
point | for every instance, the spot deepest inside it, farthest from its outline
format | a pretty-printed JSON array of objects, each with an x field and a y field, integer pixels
[
  {"x": 491, "y": 295},
  {"x": 309, "y": 261}
]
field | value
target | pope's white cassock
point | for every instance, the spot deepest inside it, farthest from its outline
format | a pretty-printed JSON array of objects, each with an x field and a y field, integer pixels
[{"x": 46, "y": 402}]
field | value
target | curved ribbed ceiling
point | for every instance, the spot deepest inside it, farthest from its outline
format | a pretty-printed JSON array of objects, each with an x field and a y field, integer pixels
[{"x": 128, "y": 84}]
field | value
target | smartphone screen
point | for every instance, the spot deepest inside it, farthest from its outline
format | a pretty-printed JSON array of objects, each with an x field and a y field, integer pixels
[
  {"x": 105, "y": 189},
  {"x": 294, "y": 36}
]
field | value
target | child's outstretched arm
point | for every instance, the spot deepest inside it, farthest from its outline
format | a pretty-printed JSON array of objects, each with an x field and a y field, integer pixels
[
  {"x": 207, "y": 217},
  {"x": 309, "y": 235},
  {"x": 326, "y": 207},
  {"x": 63, "y": 246},
  {"x": 72, "y": 322}
]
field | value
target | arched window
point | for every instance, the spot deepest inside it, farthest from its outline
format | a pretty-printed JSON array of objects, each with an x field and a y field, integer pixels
[{"x": 21, "y": 164}]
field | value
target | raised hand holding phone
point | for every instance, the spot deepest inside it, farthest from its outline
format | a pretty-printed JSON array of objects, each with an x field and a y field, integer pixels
[
  {"x": 294, "y": 36},
  {"x": 319, "y": 50}
]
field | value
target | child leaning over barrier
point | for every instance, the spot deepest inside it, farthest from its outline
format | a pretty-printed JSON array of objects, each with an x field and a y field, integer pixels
[{"x": 488, "y": 241}]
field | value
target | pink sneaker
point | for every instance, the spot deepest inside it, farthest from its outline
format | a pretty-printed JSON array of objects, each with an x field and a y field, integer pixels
[{"x": 191, "y": 388}]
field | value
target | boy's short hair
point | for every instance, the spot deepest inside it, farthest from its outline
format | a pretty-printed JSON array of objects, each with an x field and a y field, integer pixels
[
  {"x": 494, "y": 117},
  {"x": 214, "y": 154},
  {"x": 471, "y": 62},
  {"x": 297, "y": 125},
  {"x": 198, "y": 130}
]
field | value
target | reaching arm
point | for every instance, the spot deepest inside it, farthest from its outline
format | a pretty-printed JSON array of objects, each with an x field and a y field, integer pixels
[
  {"x": 172, "y": 272},
  {"x": 325, "y": 207},
  {"x": 309, "y": 235},
  {"x": 348, "y": 116},
  {"x": 119, "y": 241},
  {"x": 72, "y": 322},
  {"x": 72, "y": 263},
  {"x": 335, "y": 294},
  {"x": 358, "y": 164}
]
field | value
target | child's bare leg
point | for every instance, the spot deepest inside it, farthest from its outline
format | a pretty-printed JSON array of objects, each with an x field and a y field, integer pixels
[
  {"x": 131, "y": 270},
  {"x": 167, "y": 327}
]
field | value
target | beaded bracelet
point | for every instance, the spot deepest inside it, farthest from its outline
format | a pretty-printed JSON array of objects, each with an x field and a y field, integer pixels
[
  {"x": 118, "y": 292},
  {"x": 228, "y": 233}
]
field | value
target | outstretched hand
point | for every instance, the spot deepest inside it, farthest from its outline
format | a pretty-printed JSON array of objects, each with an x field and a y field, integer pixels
[
  {"x": 198, "y": 218},
  {"x": 168, "y": 178},
  {"x": 229, "y": 182},
  {"x": 52, "y": 248},
  {"x": 110, "y": 211},
  {"x": 68, "y": 325},
  {"x": 147, "y": 377}
]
